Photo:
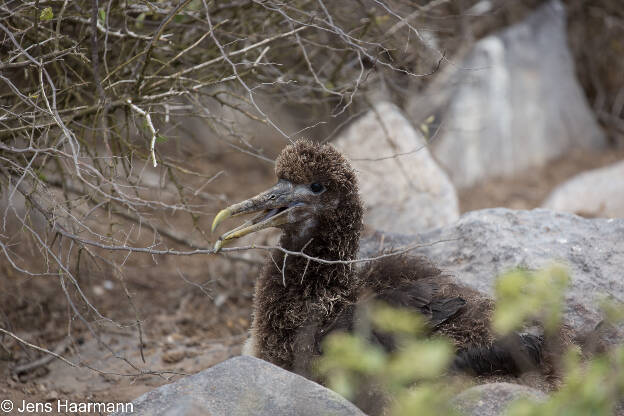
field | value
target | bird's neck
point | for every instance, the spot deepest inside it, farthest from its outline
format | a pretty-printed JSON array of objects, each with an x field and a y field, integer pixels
[
  {"x": 322, "y": 261},
  {"x": 296, "y": 293}
]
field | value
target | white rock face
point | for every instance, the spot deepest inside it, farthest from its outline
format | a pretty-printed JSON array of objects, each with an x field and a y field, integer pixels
[
  {"x": 403, "y": 188},
  {"x": 513, "y": 103},
  {"x": 595, "y": 193}
]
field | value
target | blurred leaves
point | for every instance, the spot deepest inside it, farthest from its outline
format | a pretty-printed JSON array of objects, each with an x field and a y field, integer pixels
[
  {"x": 612, "y": 311},
  {"x": 346, "y": 359},
  {"x": 434, "y": 357},
  {"x": 398, "y": 321},
  {"x": 414, "y": 374},
  {"x": 425, "y": 399},
  {"x": 591, "y": 388},
  {"x": 527, "y": 295},
  {"x": 349, "y": 361}
]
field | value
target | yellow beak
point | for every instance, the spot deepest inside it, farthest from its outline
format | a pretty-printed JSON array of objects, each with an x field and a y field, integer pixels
[{"x": 273, "y": 205}]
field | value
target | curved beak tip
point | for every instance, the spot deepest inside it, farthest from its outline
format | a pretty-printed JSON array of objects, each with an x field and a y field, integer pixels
[{"x": 221, "y": 216}]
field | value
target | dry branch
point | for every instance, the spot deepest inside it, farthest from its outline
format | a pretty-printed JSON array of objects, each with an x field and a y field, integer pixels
[{"x": 89, "y": 91}]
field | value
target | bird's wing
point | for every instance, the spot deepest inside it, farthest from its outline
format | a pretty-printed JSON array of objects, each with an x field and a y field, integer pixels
[
  {"x": 443, "y": 309},
  {"x": 412, "y": 282},
  {"x": 419, "y": 296}
]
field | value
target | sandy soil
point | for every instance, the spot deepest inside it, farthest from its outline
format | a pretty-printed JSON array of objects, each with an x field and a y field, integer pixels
[
  {"x": 194, "y": 311},
  {"x": 529, "y": 189}
]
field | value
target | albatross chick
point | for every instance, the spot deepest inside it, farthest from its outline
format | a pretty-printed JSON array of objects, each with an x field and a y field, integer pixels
[{"x": 299, "y": 301}]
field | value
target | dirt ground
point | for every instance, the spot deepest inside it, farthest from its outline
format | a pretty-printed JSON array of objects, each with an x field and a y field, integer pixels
[
  {"x": 194, "y": 311},
  {"x": 529, "y": 189}
]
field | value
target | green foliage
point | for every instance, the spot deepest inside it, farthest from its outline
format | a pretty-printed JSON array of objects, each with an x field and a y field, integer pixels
[
  {"x": 524, "y": 295},
  {"x": 41, "y": 175},
  {"x": 139, "y": 21},
  {"x": 46, "y": 14},
  {"x": 413, "y": 376},
  {"x": 102, "y": 15},
  {"x": 434, "y": 356},
  {"x": 612, "y": 311},
  {"x": 347, "y": 358},
  {"x": 591, "y": 388},
  {"x": 424, "y": 399},
  {"x": 397, "y": 321}
]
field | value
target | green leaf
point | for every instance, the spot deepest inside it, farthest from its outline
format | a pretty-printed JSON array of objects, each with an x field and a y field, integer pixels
[
  {"x": 434, "y": 356},
  {"x": 139, "y": 21},
  {"x": 102, "y": 14},
  {"x": 380, "y": 20},
  {"x": 612, "y": 310},
  {"x": 425, "y": 399},
  {"x": 41, "y": 176},
  {"x": 46, "y": 14},
  {"x": 352, "y": 353},
  {"x": 524, "y": 295},
  {"x": 161, "y": 139},
  {"x": 397, "y": 320},
  {"x": 342, "y": 384}
]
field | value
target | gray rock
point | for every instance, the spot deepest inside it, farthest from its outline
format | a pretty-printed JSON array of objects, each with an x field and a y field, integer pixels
[
  {"x": 595, "y": 193},
  {"x": 484, "y": 244},
  {"x": 515, "y": 103},
  {"x": 403, "y": 188},
  {"x": 242, "y": 386},
  {"x": 493, "y": 399}
]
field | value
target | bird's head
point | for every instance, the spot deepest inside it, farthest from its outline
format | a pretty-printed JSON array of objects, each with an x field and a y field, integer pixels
[{"x": 316, "y": 188}]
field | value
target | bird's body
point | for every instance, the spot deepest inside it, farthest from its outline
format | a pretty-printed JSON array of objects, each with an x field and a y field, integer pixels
[{"x": 299, "y": 300}]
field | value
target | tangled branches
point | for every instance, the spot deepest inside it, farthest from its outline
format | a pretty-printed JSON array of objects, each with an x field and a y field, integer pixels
[{"x": 94, "y": 92}]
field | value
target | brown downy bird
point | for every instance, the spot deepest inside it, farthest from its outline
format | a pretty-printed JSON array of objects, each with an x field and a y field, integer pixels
[{"x": 299, "y": 301}]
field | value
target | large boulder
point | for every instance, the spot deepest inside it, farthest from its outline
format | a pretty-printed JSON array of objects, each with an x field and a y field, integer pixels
[
  {"x": 484, "y": 244},
  {"x": 595, "y": 193},
  {"x": 493, "y": 399},
  {"x": 403, "y": 188},
  {"x": 242, "y": 386},
  {"x": 513, "y": 103}
]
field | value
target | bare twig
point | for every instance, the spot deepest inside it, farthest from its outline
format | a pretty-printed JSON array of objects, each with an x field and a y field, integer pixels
[{"x": 150, "y": 126}]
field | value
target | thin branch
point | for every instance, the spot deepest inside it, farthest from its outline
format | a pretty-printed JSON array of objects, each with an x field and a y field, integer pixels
[
  {"x": 150, "y": 126},
  {"x": 38, "y": 348}
]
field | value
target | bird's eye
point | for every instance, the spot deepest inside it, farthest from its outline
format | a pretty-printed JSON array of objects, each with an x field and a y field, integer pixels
[{"x": 317, "y": 187}]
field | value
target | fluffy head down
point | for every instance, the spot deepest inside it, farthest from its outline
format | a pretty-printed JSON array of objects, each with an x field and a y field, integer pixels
[
  {"x": 337, "y": 210},
  {"x": 305, "y": 162}
]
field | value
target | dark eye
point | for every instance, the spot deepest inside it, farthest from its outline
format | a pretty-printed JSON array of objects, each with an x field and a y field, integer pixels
[{"x": 317, "y": 187}]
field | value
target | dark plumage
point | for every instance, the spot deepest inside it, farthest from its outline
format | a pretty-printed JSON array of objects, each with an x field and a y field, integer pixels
[{"x": 298, "y": 302}]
